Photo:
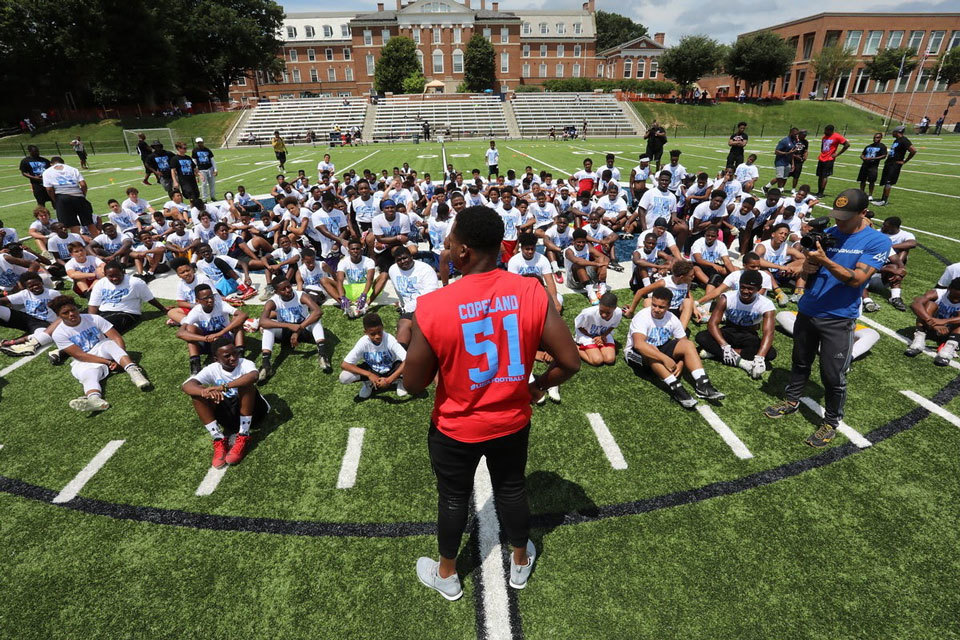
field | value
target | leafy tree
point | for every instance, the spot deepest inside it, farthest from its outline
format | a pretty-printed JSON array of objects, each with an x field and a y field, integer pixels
[
  {"x": 759, "y": 58},
  {"x": 614, "y": 29},
  {"x": 691, "y": 59},
  {"x": 949, "y": 65},
  {"x": 414, "y": 83},
  {"x": 832, "y": 62},
  {"x": 886, "y": 64},
  {"x": 479, "y": 72},
  {"x": 398, "y": 61}
]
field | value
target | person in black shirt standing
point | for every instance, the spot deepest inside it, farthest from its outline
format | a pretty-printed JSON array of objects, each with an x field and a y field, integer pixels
[
  {"x": 144, "y": 151},
  {"x": 656, "y": 137},
  {"x": 736, "y": 143},
  {"x": 32, "y": 168},
  {"x": 871, "y": 157},
  {"x": 207, "y": 167},
  {"x": 800, "y": 147},
  {"x": 160, "y": 163},
  {"x": 185, "y": 173},
  {"x": 897, "y": 156}
]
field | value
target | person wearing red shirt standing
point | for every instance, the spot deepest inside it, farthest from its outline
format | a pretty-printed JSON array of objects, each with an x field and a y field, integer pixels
[
  {"x": 479, "y": 337},
  {"x": 831, "y": 147}
]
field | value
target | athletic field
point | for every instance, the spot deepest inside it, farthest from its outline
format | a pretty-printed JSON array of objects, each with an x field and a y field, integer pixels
[{"x": 650, "y": 521}]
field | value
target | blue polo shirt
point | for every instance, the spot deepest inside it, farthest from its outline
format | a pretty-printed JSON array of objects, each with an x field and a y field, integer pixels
[
  {"x": 827, "y": 297},
  {"x": 786, "y": 144}
]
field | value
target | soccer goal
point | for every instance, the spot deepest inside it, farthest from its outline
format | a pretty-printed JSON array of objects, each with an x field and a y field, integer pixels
[{"x": 166, "y": 136}]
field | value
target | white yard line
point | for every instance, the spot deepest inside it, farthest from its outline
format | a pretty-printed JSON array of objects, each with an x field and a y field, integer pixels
[
  {"x": 852, "y": 434},
  {"x": 73, "y": 487},
  {"x": 607, "y": 443},
  {"x": 893, "y": 334},
  {"x": 736, "y": 444},
  {"x": 495, "y": 601},
  {"x": 210, "y": 481},
  {"x": 22, "y": 361},
  {"x": 527, "y": 155},
  {"x": 351, "y": 458},
  {"x": 933, "y": 407}
]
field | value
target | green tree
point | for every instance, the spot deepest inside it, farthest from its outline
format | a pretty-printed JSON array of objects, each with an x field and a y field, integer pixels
[
  {"x": 949, "y": 65},
  {"x": 614, "y": 29},
  {"x": 398, "y": 61},
  {"x": 414, "y": 83},
  {"x": 759, "y": 58},
  {"x": 885, "y": 65},
  {"x": 832, "y": 62},
  {"x": 479, "y": 72},
  {"x": 691, "y": 59}
]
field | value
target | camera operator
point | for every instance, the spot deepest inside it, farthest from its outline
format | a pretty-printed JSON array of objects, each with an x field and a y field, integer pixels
[{"x": 838, "y": 263}]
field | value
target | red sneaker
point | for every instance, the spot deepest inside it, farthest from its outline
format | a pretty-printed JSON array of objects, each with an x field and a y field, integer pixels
[
  {"x": 219, "y": 453},
  {"x": 238, "y": 450},
  {"x": 558, "y": 276}
]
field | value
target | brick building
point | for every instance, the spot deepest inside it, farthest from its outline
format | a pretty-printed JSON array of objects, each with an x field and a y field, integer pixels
[
  {"x": 334, "y": 53},
  {"x": 634, "y": 59},
  {"x": 864, "y": 34}
]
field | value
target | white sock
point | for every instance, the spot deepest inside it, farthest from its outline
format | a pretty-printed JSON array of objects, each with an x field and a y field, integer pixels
[
  {"x": 245, "y": 425},
  {"x": 645, "y": 281},
  {"x": 555, "y": 266},
  {"x": 214, "y": 430},
  {"x": 698, "y": 373},
  {"x": 867, "y": 299},
  {"x": 95, "y": 394},
  {"x": 670, "y": 379},
  {"x": 591, "y": 290},
  {"x": 894, "y": 292}
]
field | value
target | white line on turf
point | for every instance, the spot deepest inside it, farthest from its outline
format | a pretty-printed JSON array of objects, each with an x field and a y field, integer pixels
[
  {"x": 495, "y": 601},
  {"x": 210, "y": 481},
  {"x": 607, "y": 443},
  {"x": 73, "y": 487},
  {"x": 527, "y": 155},
  {"x": 933, "y": 407},
  {"x": 22, "y": 361},
  {"x": 736, "y": 444},
  {"x": 852, "y": 434},
  {"x": 893, "y": 334},
  {"x": 351, "y": 458}
]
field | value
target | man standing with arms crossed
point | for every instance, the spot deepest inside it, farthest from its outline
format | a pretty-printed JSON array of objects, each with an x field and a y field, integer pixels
[
  {"x": 479, "y": 336},
  {"x": 832, "y": 147}
]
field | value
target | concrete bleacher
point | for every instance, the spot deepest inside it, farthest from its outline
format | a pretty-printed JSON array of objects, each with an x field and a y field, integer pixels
[
  {"x": 537, "y": 112},
  {"x": 454, "y": 115},
  {"x": 294, "y": 118}
]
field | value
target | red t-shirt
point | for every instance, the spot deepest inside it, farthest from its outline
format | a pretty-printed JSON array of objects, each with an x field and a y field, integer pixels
[
  {"x": 829, "y": 146},
  {"x": 485, "y": 330}
]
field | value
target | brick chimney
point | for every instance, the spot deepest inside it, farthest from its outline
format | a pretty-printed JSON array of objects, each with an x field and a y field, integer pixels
[
  {"x": 589, "y": 6},
  {"x": 483, "y": 4},
  {"x": 399, "y": 5},
  {"x": 658, "y": 38},
  {"x": 495, "y": 6},
  {"x": 466, "y": 3},
  {"x": 379, "y": 6}
]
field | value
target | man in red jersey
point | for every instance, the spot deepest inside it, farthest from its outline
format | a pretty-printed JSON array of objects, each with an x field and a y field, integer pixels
[{"x": 480, "y": 336}]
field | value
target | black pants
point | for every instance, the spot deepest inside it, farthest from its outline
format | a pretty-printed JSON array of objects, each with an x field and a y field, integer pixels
[
  {"x": 121, "y": 321},
  {"x": 743, "y": 338},
  {"x": 834, "y": 338},
  {"x": 454, "y": 463},
  {"x": 24, "y": 322}
]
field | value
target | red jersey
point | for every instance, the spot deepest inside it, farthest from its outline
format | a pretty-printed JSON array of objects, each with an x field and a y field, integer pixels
[
  {"x": 485, "y": 330},
  {"x": 829, "y": 145}
]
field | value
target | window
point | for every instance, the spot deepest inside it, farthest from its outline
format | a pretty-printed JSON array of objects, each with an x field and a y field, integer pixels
[
  {"x": 561, "y": 28},
  {"x": 327, "y": 31},
  {"x": 347, "y": 54},
  {"x": 954, "y": 40},
  {"x": 895, "y": 39},
  {"x": 488, "y": 34},
  {"x": 576, "y": 70},
  {"x": 801, "y": 76},
  {"x": 577, "y": 28},
  {"x": 371, "y": 63},
  {"x": 924, "y": 77},
  {"x": 385, "y": 35},
  {"x": 328, "y": 54},
  {"x": 436, "y": 35},
  {"x": 903, "y": 82},
  {"x": 600, "y": 70},
  {"x": 416, "y": 35},
  {"x": 345, "y": 30},
  {"x": 241, "y": 81},
  {"x": 862, "y": 83},
  {"x": 936, "y": 39},
  {"x": 543, "y": 70},
  {"x": 309, "y": 32},
  {"x": 808, "y": 45},
  {"x": 526, "y": 70},
  {"x": 852, "y": 42},
  {"x": 577, "y": 49},
  {"x": 559, "y": 70},
  {"x": 504, "y": 35},
  {"x": 526, "y": 51},
  {"x": 286, "y": 77},
  {"x": 348, "y": 74},
  {"x": 504, "y": 62},
  {"x": 526, "y": 28},
  {"x": 458, "y": 34},
  {"x": 794, "y": 42},
  {"x": 367, "y": 37},
  {"x": 296, "y": 75},
  {"x": 457, "y": 61},
  {"x": 311, "y": 55},
  {"x": 831, "y": 38},
  {"x": 543, "y": 51},
  {"x": 293, "y": 55},
  {"x": 314, "y": 76},
  {"x": 543, "y": 28},
  {"x": 916, "y": 37},
  {"x": 437, "y": 61},
  {"x": 420, "y": 59},
  {"x": 641, "y": 67},
  {"x": 436, "y": 7},
  {"x": 654, "y": 65},
  {"x": 627, "y": 68},
  {"x": 560, "y": 50},
  {"x": 332, "y": 74},
  {"x": 872, "y": 45},
  {"x": 291, "y": 32}
]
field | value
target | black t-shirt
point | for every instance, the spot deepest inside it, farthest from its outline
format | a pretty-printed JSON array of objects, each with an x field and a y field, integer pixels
[
  {"x": 34, "y": 166},
  {"x": 162, "y": 161},
  {"x": 899, "y": 148},
  {"x": 185, "y": 167},
  {"x": 204, "y": 158},
  {"x": 657, "y": 138},
  {"x": 737, "y": 151},
  {"x": 800, "y": 149},
  {"x": 874, "y": 153},
  {"x": 144, "y": 150}
]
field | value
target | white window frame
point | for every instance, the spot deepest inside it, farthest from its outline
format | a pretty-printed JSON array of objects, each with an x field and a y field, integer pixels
[
  {"x": 294, "y": 56},
  {"x": 328, "y": 54},
  {"x": 348, "y": 74},
  {"x": 954, "y": 40},
  {"x": 371, "y": 63},
  {"x": 641, "y": 67},
  {"x": 504, "y": 62},
  {"x": 314, "y": 75},
  {"x": 558, "y": 70},
  {"x": 543, "y": 51},
  {"x": 331, "y": 74},
  {"x": 526, "y": 51},
  {"x": 241, "y": 81},
  {"x": 415, "y": 32},
  {"x": 436, "y": 35},
  {"x": 457, "y": 35},
  {"x": 895, "y": 39},
  {"x": 457, "y": 53},
  {"x": 872, "y": 43},
  {"x": 915, "y": 37},
  {"x": 561, "y": 28},
  {"x": 296, "y": 75},
  {"x": 291, "y": 33},
  {"x": 525, "y": 70},
  {"x": 488, "y": 33},
  {"x": 526, "y": 29},
  {"x": 576, "y": 70},
  {"x": 600, "y": 70},
  {"x": 367, "y": 37},
  {"x": 628, "y": 68},
  {"x": 347, "y": 53},
  {"x": 936, "y": 37},
  {"x": 543, "y": 69},
  {"x": 385, "y": 35},
  {"x": 654, "y": 69},
  {"x": 561, "y": 50},
  {"x": 344, "y": 31},
  {"x": 327, "y": 31},
  {"x": 420, "y": 60},
  {"x": 577, "y": 28},
  {"x": 311, "y": 55},
  {"x": 851, "y": 43},
  {"x": 577, "y": 50},
  {"x": 309, "y": 32},
  {"x": 544, "y": 28},
  {"x": 504, "y": 35},
  {"x": 433, "y": 61}
]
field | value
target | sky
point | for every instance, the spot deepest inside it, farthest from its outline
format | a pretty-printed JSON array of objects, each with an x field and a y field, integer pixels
[{"x": 678, "y": 18}]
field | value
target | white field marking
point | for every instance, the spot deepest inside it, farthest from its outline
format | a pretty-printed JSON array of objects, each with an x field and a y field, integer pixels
[
  {"x": 351, "y": 458},
  {"x": 22, "y": 361},
  {"x": 933, "y": 407},
  {"x": 495, "y": 602},
  {"x": 210, "y": 481},
  {"x": 739, "y": 449},
  {"x": 607, "y": 443},
  {"x": 73, "y": 487},
  {"x": 537, "y": 160},
  {"x": 893, "y": 334},
  {"x": 852, "y": 434}
]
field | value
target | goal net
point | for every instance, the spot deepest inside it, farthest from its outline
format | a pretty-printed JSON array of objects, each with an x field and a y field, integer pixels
[{"x": 166, "y": 136}]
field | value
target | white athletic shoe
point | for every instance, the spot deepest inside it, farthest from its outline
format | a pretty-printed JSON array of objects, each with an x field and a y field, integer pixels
[
  {"x": 519, "y": 574},
  {"x": 89, "y": 404},
  {"x": 554, "y": 394},
  {"x": 401, "y": 390},
  {"x": 366, "y": 390},
  {"x": 138, "y": 377},
  {"x": 449, "y": 587},
  {"x": 706, "y": 355},
  {"x": 947, "y": 352}
]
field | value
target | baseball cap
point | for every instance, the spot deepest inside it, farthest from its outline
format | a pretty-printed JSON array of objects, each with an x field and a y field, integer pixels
[
  {"x": 156, "y": 143},
  {"x": 803, "y": 131},
  {"x": 899, "y": 129},
  {"x": 660, "y": 222},
  {"x": 751, "y": 278},
  {"x": 199, "y": 140},
  {"x": 849, "y": 203}
]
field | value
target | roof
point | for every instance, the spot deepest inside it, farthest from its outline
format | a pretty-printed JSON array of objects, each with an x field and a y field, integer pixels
[
  {"x": 643, "y": 42},
  {"x": 852, "y": 14}
]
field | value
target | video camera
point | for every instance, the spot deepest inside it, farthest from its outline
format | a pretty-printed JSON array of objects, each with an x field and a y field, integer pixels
[{"x": 818, "y": 232}]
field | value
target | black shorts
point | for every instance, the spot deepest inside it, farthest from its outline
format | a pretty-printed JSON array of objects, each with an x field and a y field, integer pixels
[
  {"x": 655, "y": 154},
  {"x": 120, "y": 320},
  {"x": 824, "y": 168},
  {"x": 493, "y": 169},
  {"x": 733, "y": 161},
  {"x": 407, "y": 315},
  {"x": 73, "y": 211},
  {"x": 25, "y": 322},
  {"x": 364, "y": 226},
  {"x": 868, "y": 173},
  {"x": 189, "y": 188},
  {"x": 281, "y": 156},
  {"x": 40, "y": 193},
  {"x": 797, "y": 169},
  {"x": 82, "y": 155},
  {"x": 384, "y": 260},
  {"x": 667, "y": 348},
  {"x": 227, "y": 413},
  {"x": 891, "y": 173}
]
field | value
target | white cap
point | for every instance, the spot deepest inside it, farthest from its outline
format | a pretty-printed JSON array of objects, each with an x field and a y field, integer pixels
[{"x": 199, "y": 140}]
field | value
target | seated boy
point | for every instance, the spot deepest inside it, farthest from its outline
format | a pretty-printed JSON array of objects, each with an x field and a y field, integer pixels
[
  {"x": 112, "y": 245},
  {"x": 207, "y": 322},
  {"x": 593, "y": 329},
  {"x": 649, "y": 262},
  {"x": 354, "y": 280},
  {"x": 529, "y": 261},
  {"x": 711, "y": 258},
  {"x": 586, "y": 267},
  {"x": 678, "y": 284},
  {"x": 119, "y": 298},
  {"x": 377, "y": 359},
  {"x": 149, "y": 257},
  {"x": 411, "y": 279},
  {"x": 190, "y": 279},
  {"x": 291, "y": 313},
  {"x": 221, "y": 271},
  {"x": 83, "y": 269},
  {"x": 938, "y": 319},
  {"x": 34, "y": 319}
]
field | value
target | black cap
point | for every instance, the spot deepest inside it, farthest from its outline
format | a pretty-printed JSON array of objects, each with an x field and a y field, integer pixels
[
  {"x": 156, "y": 143},
  {"x": 849, "y": 203},
  {"x": 660, "y": 222},
  {"x": 751, "y": 278}
]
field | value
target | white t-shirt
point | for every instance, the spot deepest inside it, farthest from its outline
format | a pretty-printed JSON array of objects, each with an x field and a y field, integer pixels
[
  {"x": 203, "y": 234},
  {"x": 657, "y": 332},
  {"x": 600, "y": 232},
  {"x": 379, "y": 357},
  {"x": 216, "y": 320},
  {"x": 795, "y": 224},
  {"x": 325, "y": 166},
  {"x": 949, "y": 274},
  {"x": 562, "y": 240},
  {"x": 210, "y": 208},
  {"x": 91, "y": 331},
  {"x": 180, "y": 241},
  {"x": 764, "y": 212},
  {"x": 713, "y": 253},
  {"x": 657, "y": 204},
  {"x": 677, "y": 289},
  {"x": 280, "y": 256},
  {"x": 419, "y": 280},
  {"x": 185, "y": 290},
  {"x": 590, "y": 321},
  {"x": 612, "y": 208},
  {"x": 170, "y": 205},
  {"x": 776, "y": 256},
  {"x": 901, "y": 236},
  {"x": 127, "y": 297},
  {"x": 704, "y": 212},
  {"x": 512, "y": 219},
  {"x": 211, "y": 269},
  {"x": 9, "y": 273},
  {"x": 665, "y": 241},
  {"x": 136, "y": 207},
  {"x": 582, "y": 254},
  {"x": 676, "y": 175},
  {"x": 58, "y": 246},
  {"x": 293, "y": 310},
  {"x": 365, "y": 210},
  {"x": 542, "y": 215},
  {"x": 493, "y": 157},
  {"x": 355, "y": 273},
  {"x": 641, "y": 173},
  {"x": 400, "y": 225},
  {"x": 35, "y": 305},
  {"x": 745, "y": 172},
  {"x": 214, "y": 375},
  {"x": 64, "y": 179},
  {"x": 334, "y": 222},
  {"x": 538, "y": 265},
  {"x": 312, "y": 277},
  {"x": 110, "y": 245},
  {"x": 746, "y": 315},
  {"x": 945, "y": 308},
  {"x": 739, "y": 220},
  {"x": 10, "y": 236},
  {"x": 438, "y": 230},
  {"x": 733, "y": 280},
  {"x": 90, "y": 266}
]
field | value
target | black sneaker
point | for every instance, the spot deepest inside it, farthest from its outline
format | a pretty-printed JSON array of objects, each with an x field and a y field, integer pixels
[
  {"x": 706, "y": 390},
  {"x": 616, "y": 266},
  {"x": 897, "y": 303},
  {"x": 822, "y": 436},
  {"x": 678, "y": 393},
  {"x": 55, "y": 357},
  {"x": 323, "y": 363},
  {"x": 781, "y": 409},
  {"x": 195, "y": 367},
  {"x": 265, "y": 372}
]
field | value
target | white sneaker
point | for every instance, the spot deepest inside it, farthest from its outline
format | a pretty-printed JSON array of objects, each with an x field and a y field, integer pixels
[
  {"x": 449, "y": 587},
  {"x": 594, "y": 300},
  {"x": 554, "y": 394},
  {"x": 401, "y": 390},
  {"x": 706, "y": 355},
  {"x": 138, "y": 377},
  {"x": 267, "y": 293},
  {"x": 519, "y": 574},
  {"x": 89, "y": 404},
  {"x": 916, "y": 345},
  {"x": 366, "y": 390},
  {"x": 946, "y": 353}
]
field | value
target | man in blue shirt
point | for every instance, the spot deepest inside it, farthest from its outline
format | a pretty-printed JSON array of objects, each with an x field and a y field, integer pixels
[
  {"x": 783, "y": 163},
  {"x": 836, "y": 277}
]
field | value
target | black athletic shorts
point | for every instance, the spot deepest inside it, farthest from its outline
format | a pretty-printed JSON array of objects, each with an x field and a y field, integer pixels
[
  {"x": 824, "y": 169},
  {"x": 797, "y": 170},
  {"x": 891, "y": 173},
  {"x": 364, "y": 226},
  {"x": 40, "y": 193},
  {"x": 120, "y": 320},
  {"x": 281, "y": 156},
  {"x": 407, "y": 316},
  {"x": 493, "y": 169},
  {"x": 25, "y": 322},
  {"x": 868, "y": 173},
  {"x": 73, "y": 211},
  {"x": 667, "y": 349},
  {"x": 82, "y": 155},
  {"x": 227, "y": 412},
  {"x": 384, "y": 260}
]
